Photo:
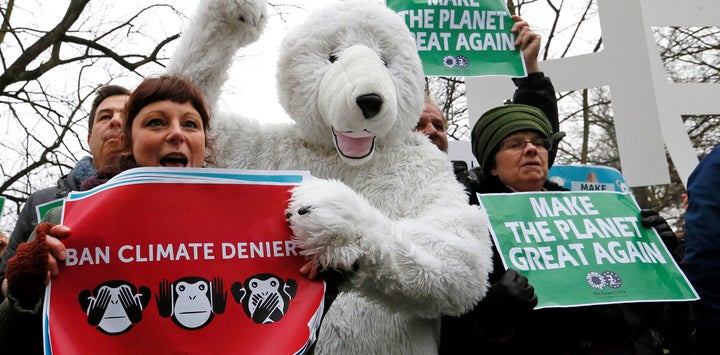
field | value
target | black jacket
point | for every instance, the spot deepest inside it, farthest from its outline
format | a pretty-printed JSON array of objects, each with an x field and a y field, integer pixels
[
  {"x": 27, "y": 219},
  {"x": 604, "y": 329}
]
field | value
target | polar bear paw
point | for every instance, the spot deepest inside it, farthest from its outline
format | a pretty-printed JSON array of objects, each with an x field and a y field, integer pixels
[
  {"x": 329, "y": 222},
  {"x": 244, "y": 19}
]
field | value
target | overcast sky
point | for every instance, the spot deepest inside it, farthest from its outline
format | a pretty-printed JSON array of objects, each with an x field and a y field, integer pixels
[
  {"x": 250, "y": 89},
  {"x": 258, "y": 61},
  {"x": 257, "y": 96}
]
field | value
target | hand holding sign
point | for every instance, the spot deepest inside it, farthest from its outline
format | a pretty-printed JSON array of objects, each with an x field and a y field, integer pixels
[
  {"x": 468, "y": 39},
  {"x": 529, "y": 43},
  {"x": 507, "y": 303},
  {"x": 512, "y": 295},
  {"x": 593, "y": 242},
  {"x": 35, "y": 261},
  {"x": 164, "y": 283},
  {"x": 650, "y": 218}
]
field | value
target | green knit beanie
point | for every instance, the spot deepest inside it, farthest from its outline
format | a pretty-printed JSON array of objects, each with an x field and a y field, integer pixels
[{"x": 497, "y": 123}]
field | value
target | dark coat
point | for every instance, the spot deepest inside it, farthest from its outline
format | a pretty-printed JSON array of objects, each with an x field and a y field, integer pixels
[
  {"x": 21, "y": 326},
  {"x": 702, "y": 248},
  {"x": 603, "y": 329},
  {"x": 27, "y": 219}
]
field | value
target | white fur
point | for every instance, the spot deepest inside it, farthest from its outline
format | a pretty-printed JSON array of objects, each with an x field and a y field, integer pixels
[
  {"x": 234, "y": 23},
  {"x": 399, "y": 213}
]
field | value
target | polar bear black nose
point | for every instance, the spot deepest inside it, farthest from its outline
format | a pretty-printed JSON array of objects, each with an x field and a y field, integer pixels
[{"x": 369, "y": 104}]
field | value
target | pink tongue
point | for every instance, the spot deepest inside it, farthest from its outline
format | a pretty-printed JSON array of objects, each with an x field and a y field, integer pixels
[{"x": 355, "y": 144}]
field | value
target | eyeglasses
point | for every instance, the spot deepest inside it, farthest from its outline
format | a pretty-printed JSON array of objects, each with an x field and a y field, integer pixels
[{"x": 519, "y": 144}]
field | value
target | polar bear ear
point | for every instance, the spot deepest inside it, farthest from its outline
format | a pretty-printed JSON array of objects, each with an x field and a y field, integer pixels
[{"x": 308, "y": 51}]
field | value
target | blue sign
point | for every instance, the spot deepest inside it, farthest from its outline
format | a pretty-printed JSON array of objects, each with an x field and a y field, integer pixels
[{"x": 588, "y": 178}]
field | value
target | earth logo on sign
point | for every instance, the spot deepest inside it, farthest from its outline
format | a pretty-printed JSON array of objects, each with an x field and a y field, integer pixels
[
  {"x": 606, "y": 279},
  {"x": 460, "y": 61}
]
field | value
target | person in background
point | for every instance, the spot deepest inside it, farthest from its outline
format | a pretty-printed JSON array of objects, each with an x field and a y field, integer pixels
[
  {"x": 701, "y": 262},
  {"x": 104, "y": 129},
  {"x": 433, "y": 124},
  {"x": 512, "y": 145},
  {"x": 166, "y": 124},
  {"x": 535, "y": 90},
  {"x": 3, "y": 242}
]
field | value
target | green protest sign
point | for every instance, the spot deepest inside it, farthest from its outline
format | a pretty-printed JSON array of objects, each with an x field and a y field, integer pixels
[
  {"x": 462, "y": 37},
  {"x": 42, "y": 209},
  {"x": 2, "y": 203},
  {"x": 583, "y": 248}
]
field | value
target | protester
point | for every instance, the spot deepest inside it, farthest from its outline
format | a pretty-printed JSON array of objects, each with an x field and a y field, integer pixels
[
  {"x": 701, "y": 262},
  {"x": 167, "y": 124},
  {"x": 535, "y": 90},
  {"x": 3, "y": 242},
  {"x": 104, "y": 129},
  {"x": 512, "y": 145},
  {"x": 433, "y": 124}
]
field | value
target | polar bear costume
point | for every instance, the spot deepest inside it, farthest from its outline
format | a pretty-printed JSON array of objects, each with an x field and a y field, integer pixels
[{"x": 385, "y": 205}]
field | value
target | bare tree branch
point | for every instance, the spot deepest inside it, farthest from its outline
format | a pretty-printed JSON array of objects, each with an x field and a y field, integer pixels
[{"x": 18, "y": 70}]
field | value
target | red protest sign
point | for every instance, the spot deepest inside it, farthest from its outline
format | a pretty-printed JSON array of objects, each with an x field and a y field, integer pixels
[{"x": 169, "y": 267}]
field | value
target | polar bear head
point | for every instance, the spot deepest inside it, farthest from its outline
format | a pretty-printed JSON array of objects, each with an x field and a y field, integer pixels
[{"x": 350, "y": 76}]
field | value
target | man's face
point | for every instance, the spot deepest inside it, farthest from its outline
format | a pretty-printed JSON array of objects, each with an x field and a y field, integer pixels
[
  {"x": 105, "y": 139},
  {"x": 432, "y": 124}
]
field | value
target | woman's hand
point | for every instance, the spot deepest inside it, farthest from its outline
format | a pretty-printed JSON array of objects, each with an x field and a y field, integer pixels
[
  {"x": 309, "y": 269},
  {"x": 56, "y": 248},
  {"x": 30, "y": 270},
  {"x": 529, "y": 43}
]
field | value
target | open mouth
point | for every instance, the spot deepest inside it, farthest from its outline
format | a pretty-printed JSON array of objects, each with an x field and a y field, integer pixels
[
  {"x": 174, "y": 160},
  {"x": 354, "y": 144}
]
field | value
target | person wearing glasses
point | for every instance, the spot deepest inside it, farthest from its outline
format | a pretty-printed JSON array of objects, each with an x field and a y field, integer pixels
[{"x": 512, "y": 144}]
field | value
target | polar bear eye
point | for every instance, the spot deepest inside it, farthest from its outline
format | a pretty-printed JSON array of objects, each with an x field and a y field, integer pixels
[{"x": 333, "y": 58}]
